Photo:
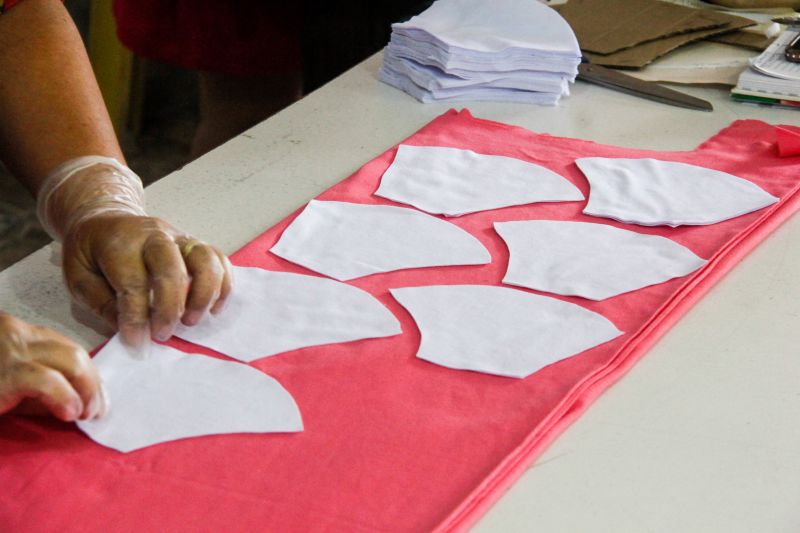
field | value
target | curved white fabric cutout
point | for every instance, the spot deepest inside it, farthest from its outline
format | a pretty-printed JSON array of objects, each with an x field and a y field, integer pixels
[
  {"x": 651, "y": 192},
  {"x": 497, "y": 330},
  {"x": 594, "y": 261},
  {"x": 455, "y": 182},
  {"x": 501, "y": 26},
  {"x": 346, "y": 241},
  {"x": 273, "y": 312},
  {"x": 172, "y": 395}
]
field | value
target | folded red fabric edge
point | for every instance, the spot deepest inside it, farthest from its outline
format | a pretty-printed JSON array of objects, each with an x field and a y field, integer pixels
[
  {"x": 788, "y": 140},
  {"x": 587, "y": 391}
]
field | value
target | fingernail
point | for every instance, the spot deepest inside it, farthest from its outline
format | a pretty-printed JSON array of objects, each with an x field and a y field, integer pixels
[
  {"x": 220, "y": 306},
  {"x": 92, "y": 407},
  {"x": 105, "y": 403},
  {"x": 74, "y": 411},
  {"x": 140, "y": 351},
  {"x": 164, "y": 334},
  {"x": 192, "y": 318}
]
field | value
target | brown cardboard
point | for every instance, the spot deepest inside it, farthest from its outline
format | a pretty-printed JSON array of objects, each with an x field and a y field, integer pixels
[
  {"x": 608, "y": 26},
  {"x": 744, "y": 39},
  {"x": 643, "y": 54}
]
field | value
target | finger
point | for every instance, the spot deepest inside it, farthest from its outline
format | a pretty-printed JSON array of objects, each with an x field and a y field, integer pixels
[
  {"x": 128, "y": 277},
  {"x": 48, "y": 387},
  {"x": 207, "y": 274},
  {"x": 227, "y": 284},
  {"x": 29, "y": 407},
  {"x": 91, "y": 289},
  {"x": 170, "y": 282},
  {"x": 73, "y": 363},
  {"x": 87, "y": 284}
]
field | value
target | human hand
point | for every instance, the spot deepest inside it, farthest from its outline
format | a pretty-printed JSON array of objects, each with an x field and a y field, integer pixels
[
  {"x": 41, "y": 370},
  {"x": 142, "y": 275},
  {"x": 138, "y": 272}
]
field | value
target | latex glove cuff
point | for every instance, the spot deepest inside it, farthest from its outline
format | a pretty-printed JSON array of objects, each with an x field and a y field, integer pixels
[{"x": 86, "y": 187}]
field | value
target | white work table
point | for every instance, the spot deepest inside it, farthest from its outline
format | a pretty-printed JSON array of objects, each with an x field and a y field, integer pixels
[{"x": 703, "y": 435}]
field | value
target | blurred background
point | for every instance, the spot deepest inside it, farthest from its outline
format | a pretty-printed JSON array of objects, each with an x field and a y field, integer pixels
[{"x": 157, "y": 105}]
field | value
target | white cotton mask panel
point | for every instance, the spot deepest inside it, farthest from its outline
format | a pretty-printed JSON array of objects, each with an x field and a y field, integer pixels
[
  {"x": 466, "y": 94},
  {"x": 453, "y": 182},
  {"x": 272, "y": 312},
  {"x": 595, "y": 261},
  {"x": 652, "y": 192},
  {"x": 497, "y": 26},
  {"x": 172, "y": 395},
  {"x": 498, "y": 330},
  {"x": 346, "y": 241},
  {"x": 435, "y": 80}
]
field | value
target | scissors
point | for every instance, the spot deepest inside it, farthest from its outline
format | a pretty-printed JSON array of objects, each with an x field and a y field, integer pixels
[{"x": 619, "y": 81}]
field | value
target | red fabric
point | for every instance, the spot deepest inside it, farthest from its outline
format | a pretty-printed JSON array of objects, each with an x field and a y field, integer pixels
[
  {"x": 5, "y": 5},
  {"x": 236, "y": 38},
  {"x": 788, "y": 141},
  {"x": 392, "y": 443}
]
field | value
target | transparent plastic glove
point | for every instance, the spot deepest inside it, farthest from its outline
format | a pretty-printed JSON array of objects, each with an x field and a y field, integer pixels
[
  {"x": 138, "y": 272},
  {"x": 42, "y": 371}
]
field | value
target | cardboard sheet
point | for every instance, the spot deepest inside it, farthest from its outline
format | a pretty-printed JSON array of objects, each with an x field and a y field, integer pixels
[
  {"x": 743, "y": 39},
  {"x": 607, "y": 26},
  {"x": 641, "y": 33},
  {"x": 380, "y": 424},
  {"x": 701, "y": 63}
]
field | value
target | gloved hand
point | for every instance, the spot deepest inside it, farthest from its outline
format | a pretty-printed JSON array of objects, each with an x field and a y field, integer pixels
[
  {"x": 41, "y": 370},
  {"x": 138, "y": 272}
]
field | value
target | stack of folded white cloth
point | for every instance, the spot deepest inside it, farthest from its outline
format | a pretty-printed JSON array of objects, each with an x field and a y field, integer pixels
[{"x": 501, "y": 50}]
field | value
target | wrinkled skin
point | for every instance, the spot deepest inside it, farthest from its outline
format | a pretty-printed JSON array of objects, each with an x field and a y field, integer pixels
[
  {"x": 142, "y": 275},
  {"x": 138, "y": 272},
  {"x": 42, "y": 371}
]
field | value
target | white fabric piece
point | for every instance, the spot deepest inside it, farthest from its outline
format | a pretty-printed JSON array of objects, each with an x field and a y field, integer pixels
[
  {"x": 454, "y": 182},
  {"x": 346, "y": 240},
  {"x": 651, "y": 192},
  {"x": 505, "y": 51},
  {"x": 441, "y": 84},
  {"x": 594, "y": 261},
  {"x": 432, "y": 55},
  {"x": 479, "y": 94},
  {"x": 172, "y": 395},
  {"x": 427, "y": 53},
  {"x": 497, "y": 330},
  {"x": 497, "y": 26},
  {"x": 274, "y": 312}
]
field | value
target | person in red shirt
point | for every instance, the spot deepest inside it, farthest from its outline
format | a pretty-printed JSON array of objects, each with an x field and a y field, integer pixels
[
  {"x": 138, "y": 272},
  {"x": 247, "y": 55},
  {"x": 6, "y": 4}
]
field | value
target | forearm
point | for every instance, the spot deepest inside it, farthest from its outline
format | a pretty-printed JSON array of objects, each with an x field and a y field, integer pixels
[{"x": 51, "y": 109}]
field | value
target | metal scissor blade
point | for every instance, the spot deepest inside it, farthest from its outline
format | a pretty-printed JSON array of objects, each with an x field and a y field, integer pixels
[{"x": 645, "y": 89}]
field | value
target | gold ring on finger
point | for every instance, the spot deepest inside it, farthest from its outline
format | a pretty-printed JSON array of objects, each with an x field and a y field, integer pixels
[{"x": 190, "y": 245}]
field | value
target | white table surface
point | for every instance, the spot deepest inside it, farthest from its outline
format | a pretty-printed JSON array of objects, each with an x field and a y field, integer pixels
[{"x": 703, "y": 435}]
